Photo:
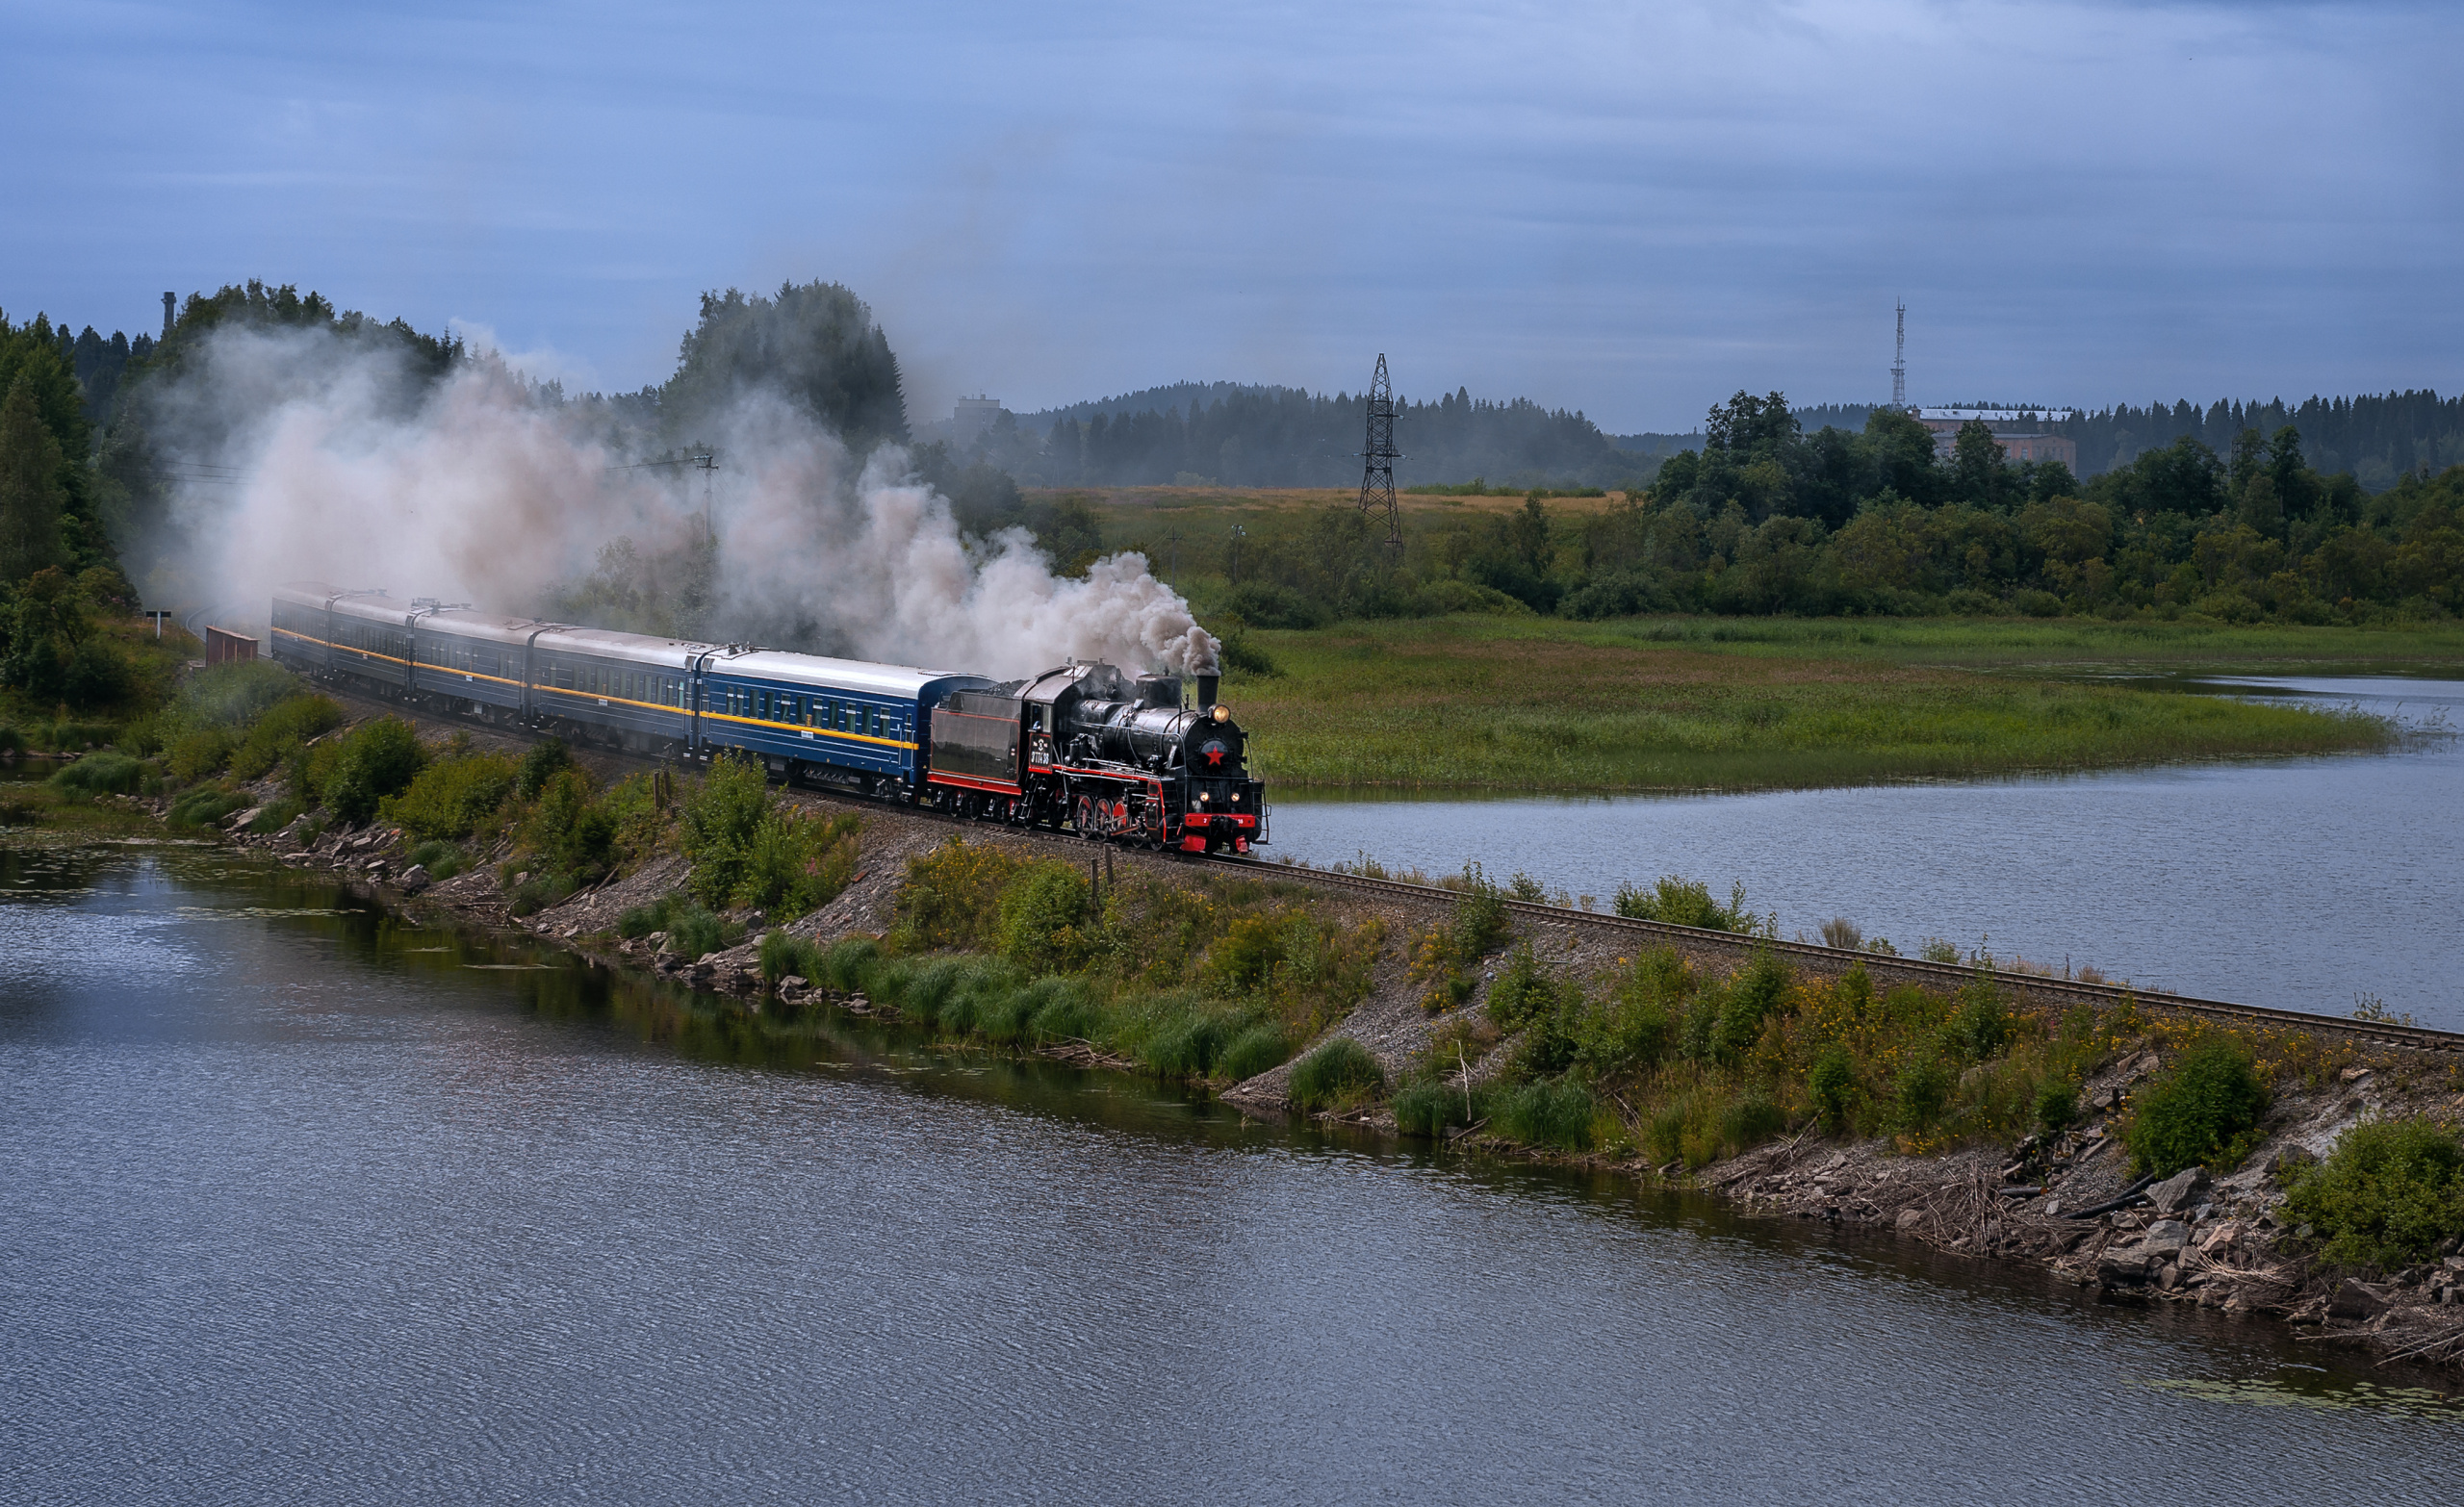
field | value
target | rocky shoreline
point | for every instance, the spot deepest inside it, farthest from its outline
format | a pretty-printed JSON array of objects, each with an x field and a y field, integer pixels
[{"x": 2062, "y": 1203}]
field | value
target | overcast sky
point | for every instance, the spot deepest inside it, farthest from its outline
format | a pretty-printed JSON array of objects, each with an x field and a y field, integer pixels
[{"x": 1631, "y": 209}]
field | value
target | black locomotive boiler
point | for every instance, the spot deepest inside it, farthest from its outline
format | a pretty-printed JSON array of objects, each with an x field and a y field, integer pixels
[{"x": 1087, "y": 747}]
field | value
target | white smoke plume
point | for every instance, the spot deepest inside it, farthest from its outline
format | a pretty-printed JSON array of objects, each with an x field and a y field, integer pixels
[{"x": 328, "y": 460}]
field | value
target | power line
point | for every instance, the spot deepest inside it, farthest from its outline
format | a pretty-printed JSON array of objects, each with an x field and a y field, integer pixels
[{"x": 704, "y": 461}]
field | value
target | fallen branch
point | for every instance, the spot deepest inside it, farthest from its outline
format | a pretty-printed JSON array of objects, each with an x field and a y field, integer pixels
[{"x": 2135, "y": 1193}]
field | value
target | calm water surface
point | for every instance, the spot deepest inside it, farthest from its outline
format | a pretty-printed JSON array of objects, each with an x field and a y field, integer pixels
[
  {"x": 298, "y": 1204},
  {"x": 2302, "y": 884}
]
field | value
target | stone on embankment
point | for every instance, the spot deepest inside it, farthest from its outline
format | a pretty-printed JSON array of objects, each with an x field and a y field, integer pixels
[
  {"x": 2166, "y": 1238},
  {"x": 2180, "y": 1192},
  {"x": 2355, "y": 1299},
  {"x": 2125, "y": 1265}
]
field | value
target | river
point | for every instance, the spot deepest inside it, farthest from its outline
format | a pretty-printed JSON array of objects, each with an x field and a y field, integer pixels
[
  {"x": 300, "y": 1203},
  {"x": 2309, "y": 884}
]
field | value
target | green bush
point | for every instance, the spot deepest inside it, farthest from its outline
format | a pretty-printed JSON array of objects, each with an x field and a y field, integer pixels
[
  {"x": 197, "y": 755},
  {"x": 568, "y": 830},
  {"x": 795, "y": 863},
  {"x": 100, "y": 774},
  {"x": 1546, "y": 1115},
  {"x": 1480, "y": 920},
  {"x": 1525, "y": 992},
  {"x": 1635, "y": 1026},
  {"x": 1547, "y": 1046},
  {"x": 2390, "y": 1194},
  {"x": 1832, "y": 1084},
  {"x": 377, "y": 759},
  {"x": 951, "y": 897},
  {"x": 1682, "y": 901},
  {"x": 1341, "y": 1070},
  {"x": 1924, "y": 1093},
  {"x": 1044, "y": 917},
  {"x": 1982, "y": 1024},
  {"x": 2056, "y": 1106},
  {"x": 452, "y": 797},
  {"x": 2200, "y": 1114},
  {"x": 540, "y": 764},
  {"x": 720, "y": 816},
  {"x": 279, "y": 733},
  {"x": 1255, "y": 952},
  {"x": 1754, "y": 993}
]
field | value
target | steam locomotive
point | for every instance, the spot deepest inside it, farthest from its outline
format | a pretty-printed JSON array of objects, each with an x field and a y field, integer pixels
[{"x": 1082, "y": 747}]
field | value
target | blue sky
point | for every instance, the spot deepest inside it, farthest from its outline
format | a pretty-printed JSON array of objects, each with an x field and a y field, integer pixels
[{"x": 1631, "y": 209}]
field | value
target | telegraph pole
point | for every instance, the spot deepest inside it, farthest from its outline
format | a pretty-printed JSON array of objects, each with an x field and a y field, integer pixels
[{"x": 708, "y": 461}]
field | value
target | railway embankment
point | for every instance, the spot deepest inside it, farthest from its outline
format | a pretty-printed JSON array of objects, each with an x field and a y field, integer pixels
[{"x": 2297, "y": 1170}]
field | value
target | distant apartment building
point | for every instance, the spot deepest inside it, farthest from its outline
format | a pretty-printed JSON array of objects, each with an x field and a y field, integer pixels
[
  {"x": 2025, "y": 434},
  {"x": 974, "y": 418}
]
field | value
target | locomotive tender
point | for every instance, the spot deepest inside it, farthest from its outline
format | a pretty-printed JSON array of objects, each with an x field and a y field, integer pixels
[{"x": 1082, "y": 747}]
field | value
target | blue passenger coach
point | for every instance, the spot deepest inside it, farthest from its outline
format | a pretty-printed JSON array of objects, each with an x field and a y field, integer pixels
[{"x": 839, "y": 721}]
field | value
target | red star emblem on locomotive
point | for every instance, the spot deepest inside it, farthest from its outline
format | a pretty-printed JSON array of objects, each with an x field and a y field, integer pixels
[{"x": 1213, "y": 752}]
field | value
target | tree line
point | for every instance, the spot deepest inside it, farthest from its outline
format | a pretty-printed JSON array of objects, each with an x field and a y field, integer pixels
[
  {"x": 1233, "y": 435},
  {"x": 1766, "y": 519},
  {"x": 1223, "y": 434}
]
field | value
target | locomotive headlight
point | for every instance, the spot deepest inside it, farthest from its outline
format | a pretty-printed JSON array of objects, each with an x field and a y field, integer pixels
[
  {"x": 1223, "y": 713},
  {"x": 1201, "y": 795}
]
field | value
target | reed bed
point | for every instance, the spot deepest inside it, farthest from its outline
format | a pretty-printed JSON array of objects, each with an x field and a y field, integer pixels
[{"x": 1531, "y": 705}]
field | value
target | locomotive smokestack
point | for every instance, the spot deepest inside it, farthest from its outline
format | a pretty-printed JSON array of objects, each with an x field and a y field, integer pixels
[{"x": 1206, "y": 684}]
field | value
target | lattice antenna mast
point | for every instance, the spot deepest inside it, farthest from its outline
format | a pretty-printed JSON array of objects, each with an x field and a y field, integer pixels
[
  {"x": 1899, "y": 364},
  {"x": 1377, "y": 471}
]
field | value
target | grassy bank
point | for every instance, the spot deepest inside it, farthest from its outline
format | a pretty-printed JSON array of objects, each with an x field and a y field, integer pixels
[
  {"x": 1208, "y": 979},
  {"x": 1201, "y": 979},
  {"x": 1532, "y": 704}
]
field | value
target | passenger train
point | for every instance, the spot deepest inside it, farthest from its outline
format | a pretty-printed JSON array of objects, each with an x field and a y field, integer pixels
[{"x": 1082, "y": 747}]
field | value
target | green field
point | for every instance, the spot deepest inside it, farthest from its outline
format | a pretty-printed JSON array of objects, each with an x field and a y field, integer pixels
[{"x": 1706, "y": 703}]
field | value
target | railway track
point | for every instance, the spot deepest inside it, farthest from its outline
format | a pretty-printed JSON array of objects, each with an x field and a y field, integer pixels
[
  {"x": 1818, "y": 957},
  {"x": 1832, "y": 959}
]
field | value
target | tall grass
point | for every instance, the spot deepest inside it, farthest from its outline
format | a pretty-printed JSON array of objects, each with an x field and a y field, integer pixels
[
  {"x": 101, "y": 773},
  {"x": 1511, "y": 703}
]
